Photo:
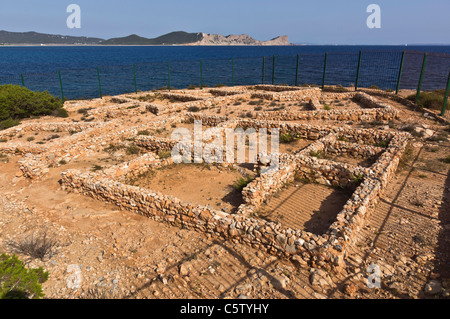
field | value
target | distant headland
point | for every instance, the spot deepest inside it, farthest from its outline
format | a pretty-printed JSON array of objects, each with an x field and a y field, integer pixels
[{"x": 173, "y": 38}]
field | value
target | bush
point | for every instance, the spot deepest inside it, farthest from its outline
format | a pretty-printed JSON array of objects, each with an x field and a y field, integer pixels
[
  {"x": 319, "y": 154},
  {"x": 8, "y": 123},
  {"x": 84, "y": 110},
  {"x": 241, "y": 183},
  {"x": 132, "y": 150},
  {"x": 96, "y": 168},
  {"x": 193, "y": 109},
  {"x": 17, "y": 102},
  {"x": 144, "y": 133},
  {"x": 37, "y": 246},
  {"x": 431, "y": 100},
  {"x": 60, "y": 113},
  {"x": 18, "y": 282},
  {"x": 164, "y": 154},
  {"x": 289, "y": 137}
]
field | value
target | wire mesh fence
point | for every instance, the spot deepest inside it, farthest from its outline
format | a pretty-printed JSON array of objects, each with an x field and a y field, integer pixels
[{"x": 384, "y": 70}]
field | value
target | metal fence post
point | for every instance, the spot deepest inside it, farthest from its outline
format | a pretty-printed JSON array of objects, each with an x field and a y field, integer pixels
[
  {"x": 263, "y": 69},
  {"x": 446, "y": 96},
  {"x": 168, "y": 75},
  {"x": 419, "y": 87},
  {"x": 99, "y": 84},
  {"x": 324, "y": 69},
  {"x": 273, "y": 71},
  {"x": 60, "y": 83},
  {"x": 135, "y": 83},
  {"x": 400, "y": 72},
  {"x": 357, "y": 71},
  {"x": 296, "y": 70},
  {"x": 232, "y": 72},
  {"x": 23, "y": 81},
  {"x": 201, "y": 75}
]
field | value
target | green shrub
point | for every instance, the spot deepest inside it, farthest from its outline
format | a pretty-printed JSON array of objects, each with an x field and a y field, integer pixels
[
  {"x": 84, "y": 110},
  {"x": 96, "y": 168},
  {"x": 431, "y": 100},
  {"x": 144, "y": 132},
  {"x": 60, "y": 113},
  {"x": 357, "y": 179},
  {"x": 193, "y": 109},
  {"x": 241, "y": 183},
  {"x": 382, "y": 143},
  {"x": 288, "y": 137},
  {"x": 8, "y": 123},
  {"x": 18, "y": 102},
  {"x": 164, "y": 154},
  {"x": 446, "y": 159},
  {"x": 258, "y": 102},
  {"x": 318, "y": 154},
  {"x": 18, "y": 282},
  {"x": 132, "y": 150}
]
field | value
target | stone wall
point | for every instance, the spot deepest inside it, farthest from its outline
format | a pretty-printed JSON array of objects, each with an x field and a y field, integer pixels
[{"x": 323, "y": 250}]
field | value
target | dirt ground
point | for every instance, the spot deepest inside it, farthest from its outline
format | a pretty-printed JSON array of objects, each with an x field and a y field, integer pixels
[
  {"x": 111, "y": 253},
  {"x": 204, "y": 184}
]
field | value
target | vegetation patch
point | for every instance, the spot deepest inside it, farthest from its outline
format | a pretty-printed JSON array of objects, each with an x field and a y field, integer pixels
[
  {"x": 19, "y": 282},
  {"x": 18, "y": 102},
  {"x": 432, "y": 100},
  {"x": 288, "y": 137},
  {"x": 241, "y": 183}
]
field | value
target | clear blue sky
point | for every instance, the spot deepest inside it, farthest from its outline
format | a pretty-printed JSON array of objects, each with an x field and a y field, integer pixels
[{"x": 319, "y": 22}]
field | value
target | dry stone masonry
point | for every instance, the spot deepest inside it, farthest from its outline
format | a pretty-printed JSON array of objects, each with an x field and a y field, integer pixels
[{"x": 329, "y": 249}]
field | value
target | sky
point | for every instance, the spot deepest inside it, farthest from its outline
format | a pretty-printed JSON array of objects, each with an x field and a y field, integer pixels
[{"x": 315, "y": 22}]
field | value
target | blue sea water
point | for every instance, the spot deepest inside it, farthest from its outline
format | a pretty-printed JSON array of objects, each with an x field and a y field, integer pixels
[{"x": 124, "y": 69}]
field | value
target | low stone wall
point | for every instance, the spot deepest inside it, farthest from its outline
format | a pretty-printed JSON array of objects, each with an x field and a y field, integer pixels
[
  {"x": 276, "y": 88},
  {"x": 47, "y": 127},
  {"x": 289, "y": 95},
  {"x": 226, "y": 92},
  {"x": 116, "y": 111},
  {"x": 180, "y": 97},
  {"x": 155, "y": 144},
  {"x": 323, "y": 251},
  {"x": 352, "y": 149}
]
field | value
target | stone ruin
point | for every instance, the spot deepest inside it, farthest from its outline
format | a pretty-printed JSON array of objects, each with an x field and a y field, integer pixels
[{"x": 320, "y": 250}]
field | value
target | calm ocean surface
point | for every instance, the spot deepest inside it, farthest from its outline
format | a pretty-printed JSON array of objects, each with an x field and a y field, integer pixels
[{"x": 78, "y": 65}]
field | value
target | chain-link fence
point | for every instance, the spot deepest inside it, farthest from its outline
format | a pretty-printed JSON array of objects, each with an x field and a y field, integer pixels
[{"x": 383, "y": 70}]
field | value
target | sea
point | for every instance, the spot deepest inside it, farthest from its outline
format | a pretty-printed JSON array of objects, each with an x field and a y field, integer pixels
[{"x": 91, "y": 71}]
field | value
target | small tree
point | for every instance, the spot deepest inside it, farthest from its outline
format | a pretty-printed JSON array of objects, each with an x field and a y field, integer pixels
[{"x": 19, "y": 282}]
